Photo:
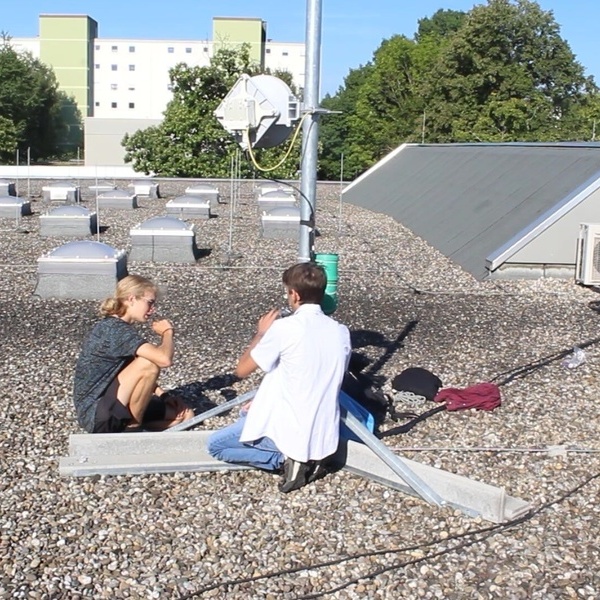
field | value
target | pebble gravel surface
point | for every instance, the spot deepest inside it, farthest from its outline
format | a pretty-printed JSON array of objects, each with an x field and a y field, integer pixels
[{"x": 233, "y": 534}]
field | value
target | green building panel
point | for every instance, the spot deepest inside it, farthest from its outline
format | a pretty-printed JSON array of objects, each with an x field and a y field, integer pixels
[
  {"x": 231, "y": 32},
  {"x": 67, "y": 45}
]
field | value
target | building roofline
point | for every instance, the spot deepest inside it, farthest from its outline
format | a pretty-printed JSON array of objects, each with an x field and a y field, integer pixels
[
  {"x": 63, "y": 15},
  {"x": 376, "y": 166},
  {"x": 238, "y": 19}
]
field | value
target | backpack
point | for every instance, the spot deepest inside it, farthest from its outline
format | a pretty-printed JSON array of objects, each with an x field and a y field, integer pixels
[
  {"x": 362, "y": 389},
  {"x": 418, "y": 381}
]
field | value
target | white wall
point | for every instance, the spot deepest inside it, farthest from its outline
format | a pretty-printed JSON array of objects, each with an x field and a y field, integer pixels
[
  {"x": 131, "y": 77},
  {"x": 103, "y": 137}
]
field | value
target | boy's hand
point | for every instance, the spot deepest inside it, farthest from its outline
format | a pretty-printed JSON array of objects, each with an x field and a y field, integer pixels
[{"x": 267, "y": 320}]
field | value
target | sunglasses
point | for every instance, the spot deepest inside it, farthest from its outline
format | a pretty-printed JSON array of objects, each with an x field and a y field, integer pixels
[{"x": 150, "y": 303}]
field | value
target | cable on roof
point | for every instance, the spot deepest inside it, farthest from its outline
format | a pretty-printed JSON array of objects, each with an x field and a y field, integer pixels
[{"x": 478, "y": 535}]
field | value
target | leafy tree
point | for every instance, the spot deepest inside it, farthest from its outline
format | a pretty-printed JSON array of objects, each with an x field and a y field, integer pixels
[
  {"x": 387, "y": 107},
  {"x": 190, "y": 142},
  {"x": 506, "y": 75},
  {"x": 383, "y": 103},
  {"x": 8, "y": 139},
  {"x": 335, "y": 128},
  {"x": 442, "y": 24},
  {"x": 30, "y": 106}
]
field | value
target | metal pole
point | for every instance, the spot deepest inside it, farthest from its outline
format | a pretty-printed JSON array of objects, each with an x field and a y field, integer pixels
[
  {"x": 341, "y": 190},
  {"x": 310, "y": 129},
  {"x": 231, "y": 203},
  {"x": 17, "y": 170},
  {"x": 28, "y": 174}
]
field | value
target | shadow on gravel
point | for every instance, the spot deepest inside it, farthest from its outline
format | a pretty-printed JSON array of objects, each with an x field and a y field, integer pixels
[
  {"x": 364, "y": 337},
  {"x": 193, "y": 393}
]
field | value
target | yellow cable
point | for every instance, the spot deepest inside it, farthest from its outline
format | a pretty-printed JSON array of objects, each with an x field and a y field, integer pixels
[{"x": 287, "y": 154}]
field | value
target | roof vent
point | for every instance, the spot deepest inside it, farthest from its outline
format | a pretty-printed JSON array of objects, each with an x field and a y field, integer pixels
[
  {"x": 197, "y": 207},
  {"x": 82, "y": 269},
  {"x": 61, "y": 191},
  {"x": 101, "y": 187},
  {"x": 119, "y": 199},
  {"x": 204, "y": 190},
  {"x": 7, "y": 188},
  {"x": 163, "y": 239},
  {"x": 275, "y": 199},
  {"x": 68, "y": 221},
  {"x": 281, "y": 223},
  {"x": 145, "y": 187},
  {"x": 271, "y": 186},
  {"x": 12, "y": 207},
  {"x": 587, "y": 270}
]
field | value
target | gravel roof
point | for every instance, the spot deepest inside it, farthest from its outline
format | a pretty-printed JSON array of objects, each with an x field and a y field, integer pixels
[{"x": 172, "y": 536}]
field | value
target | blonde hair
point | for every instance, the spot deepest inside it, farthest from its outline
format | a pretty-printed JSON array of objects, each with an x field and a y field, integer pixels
[{"x": 132, "y": 285}]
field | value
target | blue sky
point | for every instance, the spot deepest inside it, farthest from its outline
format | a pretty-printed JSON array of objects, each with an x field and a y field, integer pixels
[{"x": 352, "y": 29}]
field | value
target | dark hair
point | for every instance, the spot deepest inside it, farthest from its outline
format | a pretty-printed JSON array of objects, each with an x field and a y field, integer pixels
[{"x": 308, "y": 279}]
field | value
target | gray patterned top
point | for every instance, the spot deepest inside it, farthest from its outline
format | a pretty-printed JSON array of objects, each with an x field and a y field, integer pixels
[{"x": 111, "y": 344}]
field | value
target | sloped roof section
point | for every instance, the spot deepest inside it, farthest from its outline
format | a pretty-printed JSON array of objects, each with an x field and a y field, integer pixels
[{"x": 469, "y": 200}]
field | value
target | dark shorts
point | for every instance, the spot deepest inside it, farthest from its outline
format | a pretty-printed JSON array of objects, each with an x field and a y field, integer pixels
[{"x": 113, "y": 417}]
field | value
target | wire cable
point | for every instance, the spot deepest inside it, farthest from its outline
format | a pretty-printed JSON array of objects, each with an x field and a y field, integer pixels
[
  {"x": 287, "y": 153},
  {"x": 483, "y": 534}
]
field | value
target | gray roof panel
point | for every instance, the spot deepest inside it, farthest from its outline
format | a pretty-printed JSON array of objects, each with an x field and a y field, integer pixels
[{"x": 468, "y": 200}]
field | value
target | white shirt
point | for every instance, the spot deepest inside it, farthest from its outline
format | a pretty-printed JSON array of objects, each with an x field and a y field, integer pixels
[{"x": 304, "y": 357}]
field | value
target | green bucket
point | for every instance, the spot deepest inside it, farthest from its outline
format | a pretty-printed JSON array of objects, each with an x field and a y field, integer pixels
[{"x": 329, "y": 262}]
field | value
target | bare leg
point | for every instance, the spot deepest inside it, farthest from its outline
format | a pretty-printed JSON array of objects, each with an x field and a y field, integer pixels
[{"x": 137, "y": 382}]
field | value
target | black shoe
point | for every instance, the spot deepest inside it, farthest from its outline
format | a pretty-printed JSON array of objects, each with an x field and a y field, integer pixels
[
  {"x": 295, "y": 475},
  {"x": 318, "y": 470}
]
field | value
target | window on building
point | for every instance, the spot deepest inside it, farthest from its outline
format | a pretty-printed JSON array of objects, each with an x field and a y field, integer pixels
[
  {"x": 113, "y": 86},
  {"x": 188, "y": 50},
  {"x": 97, "y": 47},
  {"x": 96, "y": 66},
  {"x": 131, "y": 48},
  {"x": 97, "y": 104},
  {"x": 132, "y": 105},
  {"x": 284, "y": 53},
  {"x": 268, "y": 50},
  {"x": 113, "y": 67},
  {"x": 113, "y": 105},
  {"x": 170, "y": 86},
  {"x": 205, "y": 49},
  {"x": 132, "y": 67},
  {"x": 131, "y": 89},
  {"x": 170, "y": 49},
  {"x": 114, "y": 48}
]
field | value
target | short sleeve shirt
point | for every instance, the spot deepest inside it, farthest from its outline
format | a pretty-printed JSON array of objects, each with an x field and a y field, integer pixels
[
  {"x": 109, "y": 347},
  {"x": 304, "y": 357}
]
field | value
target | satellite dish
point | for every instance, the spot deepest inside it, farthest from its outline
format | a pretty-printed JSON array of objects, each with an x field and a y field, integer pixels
[{"x": 259, "y": 111}]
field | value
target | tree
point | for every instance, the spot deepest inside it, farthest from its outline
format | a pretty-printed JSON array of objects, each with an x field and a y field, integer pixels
[
  {"x": 190, "y": 142},
  {"x": 441, "y": 24},
  {"x": 383, "y": 102},
  {"x": 388, "y": 106},
  {"x": 30, "y": 105},
  {"x": 335, "y": 128},
  {"x": 506, "y": 75}
]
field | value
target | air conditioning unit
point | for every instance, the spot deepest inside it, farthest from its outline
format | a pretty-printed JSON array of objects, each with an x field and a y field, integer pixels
[{"x": 587, "y": 270}]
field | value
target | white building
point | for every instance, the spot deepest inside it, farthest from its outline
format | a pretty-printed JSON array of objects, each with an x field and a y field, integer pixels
[
  {"x": 131, "y": 77},
  {"x": 127, "y": 80}
]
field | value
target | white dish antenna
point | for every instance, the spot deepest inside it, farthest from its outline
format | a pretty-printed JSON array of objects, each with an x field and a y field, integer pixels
[{"x": 259, "y": 111}]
